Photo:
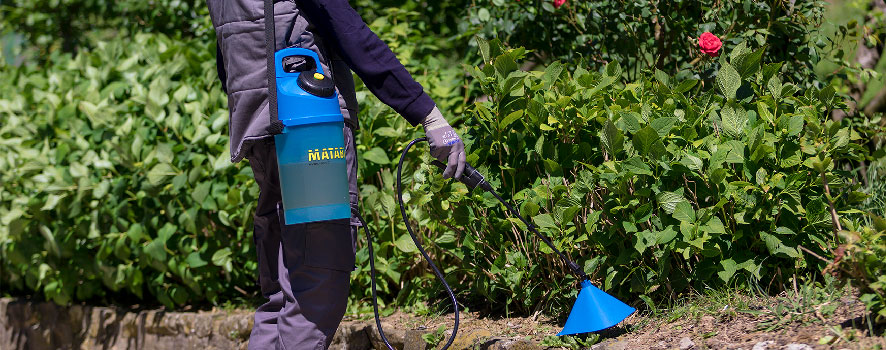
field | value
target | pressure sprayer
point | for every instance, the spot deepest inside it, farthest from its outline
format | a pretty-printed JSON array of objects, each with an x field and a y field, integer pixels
[
  {"x": 314, "y": 184},
  {"x": 311, "y": 148}
]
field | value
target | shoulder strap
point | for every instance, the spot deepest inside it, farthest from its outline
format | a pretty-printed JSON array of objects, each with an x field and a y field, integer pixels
[{"x": 275, "y": 126}]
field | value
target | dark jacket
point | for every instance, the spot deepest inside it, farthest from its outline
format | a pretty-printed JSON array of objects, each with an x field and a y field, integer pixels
[{"x": 329, "y": 27}]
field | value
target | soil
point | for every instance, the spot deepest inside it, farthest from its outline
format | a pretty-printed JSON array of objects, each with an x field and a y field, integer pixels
[{"x": 838, "y": 324}]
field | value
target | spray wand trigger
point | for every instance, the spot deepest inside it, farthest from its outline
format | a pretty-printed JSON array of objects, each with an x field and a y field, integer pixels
[{"x": 470, "y": 177}]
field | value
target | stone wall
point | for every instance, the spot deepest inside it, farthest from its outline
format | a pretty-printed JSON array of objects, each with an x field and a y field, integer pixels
[
  {"x": 38, "y": 326},
  {"x": 45, "y": 326}
]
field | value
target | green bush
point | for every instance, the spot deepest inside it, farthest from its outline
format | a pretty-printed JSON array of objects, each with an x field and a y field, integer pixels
[
  {"x": 116, "y": 177},
  {"x": 644, "y": 35},
  {"x": 66, "y": 23},
  {"x": 116, "y": 183},
  {"x": 654, "y": 186}
]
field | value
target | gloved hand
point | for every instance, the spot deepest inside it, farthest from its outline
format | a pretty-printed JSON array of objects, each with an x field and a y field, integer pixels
[{"x": 446, "y": 146}]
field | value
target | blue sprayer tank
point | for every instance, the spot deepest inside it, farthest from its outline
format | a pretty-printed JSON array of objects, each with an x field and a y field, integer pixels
[{"x": 311, "y": 148}]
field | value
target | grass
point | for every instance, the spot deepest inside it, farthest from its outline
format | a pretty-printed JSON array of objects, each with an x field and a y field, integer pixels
[
  {"x": 811, "y": 301},
  {"x": 708, "y": 302},
  {"x": 823, "y": 304}
]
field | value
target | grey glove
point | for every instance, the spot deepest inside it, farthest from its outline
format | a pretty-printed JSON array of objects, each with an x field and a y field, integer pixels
[{"x": 446, "y": 146}]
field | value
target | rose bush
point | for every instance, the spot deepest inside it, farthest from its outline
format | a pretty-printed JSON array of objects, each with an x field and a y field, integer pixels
[{"x": 647, "y": 35}]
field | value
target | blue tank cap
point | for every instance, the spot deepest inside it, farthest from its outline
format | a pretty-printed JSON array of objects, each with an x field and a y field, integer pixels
[{"x": 295, "y": 106}]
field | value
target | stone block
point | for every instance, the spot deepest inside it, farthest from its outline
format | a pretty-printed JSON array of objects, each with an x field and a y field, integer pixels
[
  {"x": 468, "y": 339},
  {"x": 414, "y": 340},
  {"x": 509, "y": 344},
  {"x": 352, "y": 336},
  {"x": 394, "y": 336}
]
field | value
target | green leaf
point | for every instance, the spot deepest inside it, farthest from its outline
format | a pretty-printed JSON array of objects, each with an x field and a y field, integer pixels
[
  {"x": 405, "y": 244},
  {"x": 777, "y": 247},
  {"x": 166, "y": 232},
  {"x": 387, "y": 131},
  {"x": 683, "y": 211},
  {"x": 636, "y": 166},
  {"x": 612, "y": 138},
  {"x": 194, "y": 260},
  {"x": 826, "y": 95},
  {"x": 552, "y": 74},
  {"x": 879, "y": 222},
  {"x": 644, "y": 139},
  {"x": 685, "y": 85},
  {"x": 764, "y": 112},
  {"x": 734, "y": 119},
  {"x": 504, "y": 66},
  {"x": 136, "y": 232},
  {"x": 613, "y": 69},
  {"x": 51, "y": 201},
  {"x": 376, "y": 155},
  {"x": 667, "y": 235},
  {"x": 223, "y": 161},
  {"x": 662, "y": 78},
  {"x": 718, "y": 175},
  {"x": 483, "y": 14},
  {"x": 156, "y": 250},
  {"x": 663, "y": 126},
  {"x": 50, "y": 242},
  {"x": 774, "y": 86},
  {"x": 544, "y": 221},
  {"x": 841, "y": 138},
  {"x": 179, "y": 295},
  {"x": 738, "y": 51},
  {"x": 792, "y": 125},
  {"x": 552, "y": 167},
  {"x": 201, "y": 191},
  {"x": 668, "y": 200},
  {"x": 160, "y": 173},
  {"x": 729, "y": 269},
  {"x": 749, "y": 64},
  {"x": 728, "y": 80},
  {"x": 221, "y": 257},
  {"x": 515, "y": 115},
  {"x": 483, "y": 45}
]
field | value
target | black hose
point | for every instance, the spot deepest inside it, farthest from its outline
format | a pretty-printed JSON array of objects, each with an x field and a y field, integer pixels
[
  {"x": 418, "y": 245},
  {"x": 420, "y": 249},
  {"x": 372, "y": 275}
]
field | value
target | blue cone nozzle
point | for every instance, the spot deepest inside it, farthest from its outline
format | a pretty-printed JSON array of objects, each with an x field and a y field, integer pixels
[{"x": 594, "y": 310}]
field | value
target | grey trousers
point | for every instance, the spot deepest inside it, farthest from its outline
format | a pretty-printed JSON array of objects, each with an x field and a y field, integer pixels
[{"x": 304, "y": 269}]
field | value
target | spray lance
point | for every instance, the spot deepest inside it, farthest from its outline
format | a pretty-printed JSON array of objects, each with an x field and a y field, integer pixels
[
  {"x": 314, "y": 184},
  {"x": 593, "y": 310}
]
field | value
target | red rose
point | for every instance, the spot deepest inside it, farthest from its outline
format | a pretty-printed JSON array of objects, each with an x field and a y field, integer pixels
[
  {"x": 710, "y": 44},
  {"x": 558, "y": 3}
]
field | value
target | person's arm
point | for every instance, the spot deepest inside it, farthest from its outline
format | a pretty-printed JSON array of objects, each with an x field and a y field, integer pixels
[{"x": 368, "y": 56}]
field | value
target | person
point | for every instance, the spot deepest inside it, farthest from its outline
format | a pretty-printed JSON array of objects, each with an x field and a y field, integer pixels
[{"x": 304, "y": 269}]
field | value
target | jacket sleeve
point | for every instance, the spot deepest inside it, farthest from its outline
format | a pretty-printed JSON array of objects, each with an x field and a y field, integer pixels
[{"x": 368, "y": 56}]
